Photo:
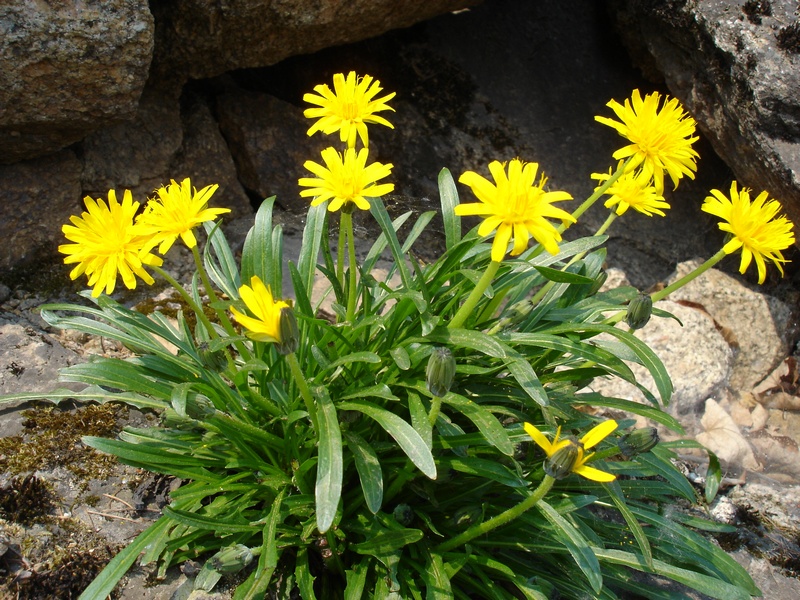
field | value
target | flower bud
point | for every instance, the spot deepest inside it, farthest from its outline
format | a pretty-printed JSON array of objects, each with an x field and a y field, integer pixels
[
  {"x": 563, "y": 460},
  {"x": 639, "y": 311},
  {"x": 403, "y": 514},
  {"x": 441, "y": 371},
  {"x": 199, "y": 407},
  {"x": 290, "y": 335},
  {"x": 232, "y": 559},
  {"x": 212, "y": 359},
  {"x": 638, "y": 441}
]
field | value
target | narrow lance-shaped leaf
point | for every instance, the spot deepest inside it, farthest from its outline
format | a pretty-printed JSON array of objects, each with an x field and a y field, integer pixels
[{"x": 328, "y": 490}]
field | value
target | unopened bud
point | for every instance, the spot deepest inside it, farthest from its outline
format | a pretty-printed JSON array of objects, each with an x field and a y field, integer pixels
[
  {"x": 441, "y": 371},
  {"x": 638, "y": 441},
  {"x": 403, "y": 514},
  {"x": 232, "y": 559},
  {"x": 639, "y": 311},
  {"x": 562, "y": 461},
  {"x": 290, "y": 335},
  {"x": 212, "y": 359},
  {"x": 199, "y": 407}
]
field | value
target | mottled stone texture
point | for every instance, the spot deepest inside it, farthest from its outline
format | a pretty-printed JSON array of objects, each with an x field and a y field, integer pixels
[
  {"x": 203, "y": 38},
  {"x": 726, "y": 63},
  {"x": 67, "y": 69}
]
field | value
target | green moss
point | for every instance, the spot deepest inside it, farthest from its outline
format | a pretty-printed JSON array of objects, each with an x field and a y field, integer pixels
[{"x": 26, "y": 500}]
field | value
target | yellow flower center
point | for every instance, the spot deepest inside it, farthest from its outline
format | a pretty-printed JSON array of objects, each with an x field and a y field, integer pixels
[{"x": 350, "y": 110}]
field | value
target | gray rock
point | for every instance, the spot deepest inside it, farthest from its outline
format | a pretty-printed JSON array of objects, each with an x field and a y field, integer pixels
[
  {"x": 67, "y": 69},
  {"x": 730, "y": 71},
  {"x": 203, "y": 39},
  {"x": 38, "y": 197}
]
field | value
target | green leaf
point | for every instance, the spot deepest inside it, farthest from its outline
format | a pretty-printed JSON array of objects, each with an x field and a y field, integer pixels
[
  {"x": 376, "y": 391},
  {"x": 108, "y": 578},
  {"x": 481, "y": 467},
  {"x": 576, "y": 544},
  {"x": 257, "y": 252},
  {"x": 494, "y": 433},
  {"x": 356, "y": 580},
  {"x": 328, "y": 489},
  {"x": 224, "y": 272},
  {"x": 401, "y": 358},
  {"x": 369, "y": 470},
  {"x": 354, "y": 357},
  {"x": 417, "y": 229},
  {"x": 420, "y": 420},
  {"x": 380, "y": 244},
  {"x": 710, "y": 586},
  {"x": 309, "y": 249},
  {"x": 525, "y": 376},
  {"x": 305, "y": 581},
  {"x": 654, "y": 414},
  {"x": 562, "y": 276},
  {"x": 388, "y": 541},
  {"x": 192, "y": 519},
  {"x": 448, "y": 196},
  {"x": 91, "y": 393},
  {"x": 662, "y": 465},
  {"x": 437, "y": 583},
  {"x": 408, "y": 439},
  {"x": 378, "y": 211},
  {"x": 713, "y": 477},
  {"x": 618, "y": 498}
]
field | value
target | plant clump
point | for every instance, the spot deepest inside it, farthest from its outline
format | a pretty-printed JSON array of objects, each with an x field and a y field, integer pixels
[
  {"x": 26, "y": 500},
  {"x": 789, "y": 38}
]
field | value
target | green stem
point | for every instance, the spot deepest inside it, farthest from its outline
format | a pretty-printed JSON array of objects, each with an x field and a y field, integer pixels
[
  {"x": 587, "y": 204},
  {"x": 347, "y": 226},
  {"x": 611, "y": 218},
  {"x": 499, "y": 520},
  {"x": 190, "y": 301},
  {"x": 472, "y": 300},
  {"x": 212, "y": 298},
  {"x": 305, "y": 391},
  {"x": 340, "y": 253},
  {"x": 661, "y": 294}
]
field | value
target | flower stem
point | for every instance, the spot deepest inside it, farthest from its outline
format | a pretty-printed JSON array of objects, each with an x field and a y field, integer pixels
[
  {"x": 661, "y": 294},
  {"x": 472, "y": 300},
  {"x": 198, "y": 310},
  {"x": 587, "y": 204},
  {"x": 346, "y": 225},
  {"x": 305, "y": 391},
  {"x": 212, "y": 297},
  {"x": 499, "y": 520},
  {"x": 340, "y": 253},
  {"x": 611, "y": 218}
]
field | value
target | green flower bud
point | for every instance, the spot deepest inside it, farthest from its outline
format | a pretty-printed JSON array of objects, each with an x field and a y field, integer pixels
[
  {"x": 199, "y": 407},
  {"x": 638, "y": 441},
  {"x": 467, "y": 516},
  {"x": 214, "y": 360},
  {"x": 290, "y": 335},
  {"x": 441, "y": 371},
  {"x": 639, "y": 311},
  {"x": 232, "y": 559},
  {"x": 403, "y": 514},
  {"x": 563, "y": 460}
]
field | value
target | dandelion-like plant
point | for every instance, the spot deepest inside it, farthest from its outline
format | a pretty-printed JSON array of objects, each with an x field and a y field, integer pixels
[
  {"x": 348, "y": 108},
  {"x": 516, "y": 206},
  {"x": 177, "y": 209},
  {"x": 661, "y": 136},
  {"x": 566, "y": 455},
  {"x": 345, "y": 180},
  {"x": 635, "y": 190},
  {"x": 754, "y": 227},
  {"x": 106, "y": 242},
  {"x": 265, "y": 325}
]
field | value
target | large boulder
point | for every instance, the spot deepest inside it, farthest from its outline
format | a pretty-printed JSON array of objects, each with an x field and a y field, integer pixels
[
  {"x": 198, "y": 39},
  {"x": 736, "y": 67},
  {"x": 67, "y": 69}
]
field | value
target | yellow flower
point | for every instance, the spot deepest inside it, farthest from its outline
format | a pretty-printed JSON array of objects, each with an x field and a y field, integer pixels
[
  {"x": 345, "y": 180},
  {"x": 266, "y": 326},
  {"x": 634, "y": 190},
  {"x": 515, "y": 206},
  {"x": 175, "y": 212},
  {"x": 753, "y": 227},
  {"x": 591, "y": 439},
  {"x": 661, "y": 140},
  {"x": 348, "y": 108},
  {"x": 107, "y": 242}
]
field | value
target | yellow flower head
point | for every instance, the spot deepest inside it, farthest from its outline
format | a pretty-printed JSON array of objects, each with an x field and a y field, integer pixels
[
  {"x": 345, "y": 179},
  {"x": 176, "y": 211},
  {"x": 661, "y": 140},
  {"x": 265, "y": 327},
  {"x": 107, "y": 242},
  {"x": 633, "y": 190},
  {"x": 596, "y": 435},
  {"x": 516, "y": 206},
  {"x": 753, "y": 227},
  {"x": 348, "y": 108}
]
